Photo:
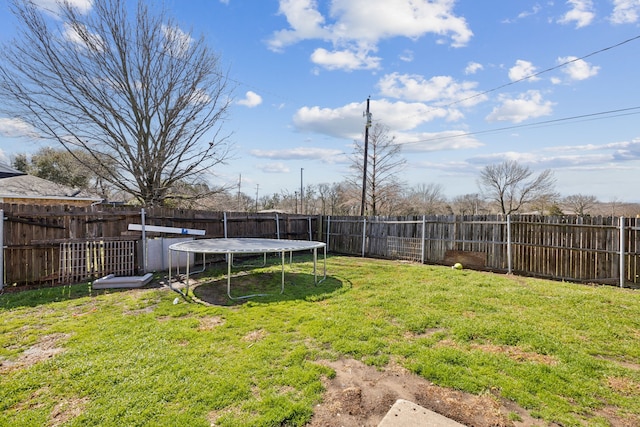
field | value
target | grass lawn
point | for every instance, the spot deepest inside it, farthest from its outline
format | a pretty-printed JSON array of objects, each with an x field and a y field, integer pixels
[{"x": 567, "y": 353}]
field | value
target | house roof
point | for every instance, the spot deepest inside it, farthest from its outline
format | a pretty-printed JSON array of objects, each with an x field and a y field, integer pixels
[
  {"x": 32, "y": 187},
  {"x": 7, "y": 171}
]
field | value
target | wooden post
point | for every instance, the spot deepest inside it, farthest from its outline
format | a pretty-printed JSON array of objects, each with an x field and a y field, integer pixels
[
  {"x": 622, "y": 252},
  {"x": 143, "y": 262},
  {"x": 364, "y": 235},
  {"x": 509, "y": 254},
  {"x": 424, "y": 235},
  {"x": 1, "y": 250}
]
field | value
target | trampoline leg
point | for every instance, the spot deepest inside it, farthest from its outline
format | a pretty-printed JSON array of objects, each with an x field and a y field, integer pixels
[
  {"x": 324, "y": 275},
  {"x": 315, "y": 261},
  {"x": 282, "y": 288},
  {"x": 229, "y": 262}
]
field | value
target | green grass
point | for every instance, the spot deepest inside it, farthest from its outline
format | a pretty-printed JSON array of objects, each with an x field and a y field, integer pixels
[{"x": 562, "y": 351}]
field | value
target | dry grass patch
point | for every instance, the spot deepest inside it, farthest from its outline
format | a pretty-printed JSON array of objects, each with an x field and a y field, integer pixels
[
  {"x": 255, "y": 336},
  {"x": 625, "y": 386},
  {"x": 44, "y": 349},
  {"x": 516, "y": 353},
  {"x": 67, "y": 410},
  {"x": 209, "y": 323}
]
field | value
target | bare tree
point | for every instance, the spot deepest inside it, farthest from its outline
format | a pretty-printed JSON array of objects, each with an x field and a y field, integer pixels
[
  {"x": 131, "y": 88},
  {"x": 384, "y": 166},
  {"x": 428, "y": 199},
  {"x": 545, "y": 203},
  {"x": 580, "y": 204},
  {"x": 468, "y": 204},
  {"x": 511, "y": 185}
]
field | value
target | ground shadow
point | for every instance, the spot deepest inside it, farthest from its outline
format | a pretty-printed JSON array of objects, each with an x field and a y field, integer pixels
[{"x": 266, "y": 287}]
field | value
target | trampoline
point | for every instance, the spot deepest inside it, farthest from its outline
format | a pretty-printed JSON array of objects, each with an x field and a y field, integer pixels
[{"x": 236, "y": 246}]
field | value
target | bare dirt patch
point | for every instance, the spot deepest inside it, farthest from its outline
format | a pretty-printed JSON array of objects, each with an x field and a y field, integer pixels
[
  {"x": 361, "y": 395},
  {"x": 44, "y": 349},
  {"x": 209, "y": 323},
  {"x": 67, "y": 410}
]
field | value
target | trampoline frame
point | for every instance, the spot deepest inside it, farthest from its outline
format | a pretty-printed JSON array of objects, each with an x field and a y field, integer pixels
[{"x": 235, "y": 246}]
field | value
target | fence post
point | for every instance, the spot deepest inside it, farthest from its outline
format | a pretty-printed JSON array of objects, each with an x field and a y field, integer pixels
[
  {"x": 509, "y": 254},
  {"x": 364, "y": 235},
  {"x": 224, "y": 220},
  {"x": 622, "y": 252},
  {"x": 277, "y": 227},
  {"x": 328, "y": 229},
  {"x": 424, "y": 235},
  {"x": 1, "y": 250},
  {"x": 310, "y": 232},
  {"x": 144, "y": 241}
]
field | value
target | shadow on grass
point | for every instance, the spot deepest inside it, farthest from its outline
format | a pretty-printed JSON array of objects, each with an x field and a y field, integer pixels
[
  {"x": 265, "y": 287},
  {"x": 39, "y": 296}
]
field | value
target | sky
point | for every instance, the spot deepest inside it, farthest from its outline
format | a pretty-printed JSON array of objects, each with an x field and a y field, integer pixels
[{"x": 460, "y": 85}]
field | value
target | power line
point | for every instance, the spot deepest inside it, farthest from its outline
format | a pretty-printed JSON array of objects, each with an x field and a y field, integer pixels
[
  {"x": 590, "y": 116},
  {"x": 546, "y": 70}
]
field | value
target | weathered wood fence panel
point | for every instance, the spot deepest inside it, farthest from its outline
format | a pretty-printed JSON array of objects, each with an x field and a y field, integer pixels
[
  {"x": 35, "y": 237},
  {"x": 560, "y": 248}
]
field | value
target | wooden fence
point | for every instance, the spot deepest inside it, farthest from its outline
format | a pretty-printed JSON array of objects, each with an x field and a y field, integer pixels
[
  {"x": 589, "y": 250},
  {"x": 65, "y": 244}
]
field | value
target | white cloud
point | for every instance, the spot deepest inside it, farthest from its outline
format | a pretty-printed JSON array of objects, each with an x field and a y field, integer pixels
[
  {"x": 523, "y": 70},
  {"x": 276, "y": 167},
  {"x": 441, "y": 141},
  {"x": 305, "y": 20},
  {"x": 251, "y": 100},
  {"x": 83, "y": 6},
  {"x": 300, "y": 153},
  {"x": 582, "y": 157},
  {"x": 200, "y": 96},
  {"x": 347, "y": 122},
  {"x": 536, "y": 8},
  {"x": 581, "y": 13},
  {"x": 625, "y": 11},
  {"x": 358, "y": 25},
  {"x": 16, "y": 128},
  {"x": 406, "y": 55},
  {"x": 440, "y": 90},
  {"x": 80, "y": 36},
  {"x": 344, "y": 60},
  {"x": 578, "y": 69},
  {"x": 527, "y": 106},
  {"x": 177, "y": 42},
  {"x": 473, "y": 67}
]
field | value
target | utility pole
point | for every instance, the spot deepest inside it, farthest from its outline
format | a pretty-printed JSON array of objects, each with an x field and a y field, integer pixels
[
  {"x": 239, "y": 192},
  {"x": 301, "y": 191},
  {"x": 366, "y": 155},
  {"x": 257, "y": 187}
]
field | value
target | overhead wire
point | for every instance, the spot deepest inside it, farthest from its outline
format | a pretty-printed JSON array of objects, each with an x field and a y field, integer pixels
[
  {"x": 591, "y": 116},
  {"x": 546, "y": 70}
]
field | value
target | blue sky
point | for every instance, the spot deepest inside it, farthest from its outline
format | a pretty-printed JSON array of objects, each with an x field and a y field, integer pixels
[{"x": 461, "y": 84}]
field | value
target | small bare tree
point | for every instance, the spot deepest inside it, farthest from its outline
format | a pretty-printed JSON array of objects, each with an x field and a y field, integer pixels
[
  {"x": 129, "y": 88},
  {"x": 426, "y": 199},
  {"x": 580, "y": 204},
  {"x": 511, "y": 185},
  {"x": 468, "y": 204},
  {"x": 384, "y": 166}
]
